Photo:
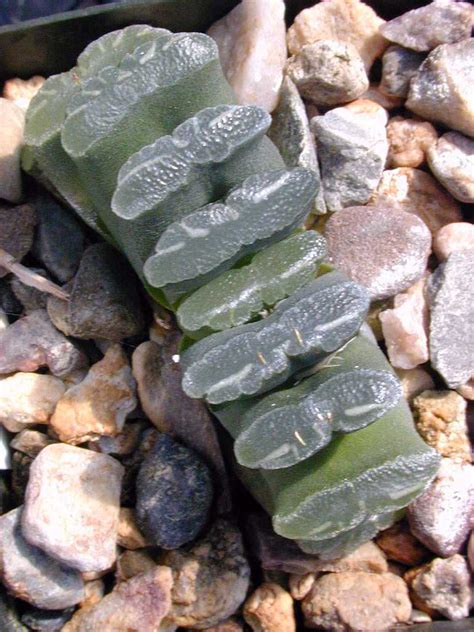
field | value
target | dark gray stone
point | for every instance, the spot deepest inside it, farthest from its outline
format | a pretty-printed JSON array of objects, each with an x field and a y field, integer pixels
[
  {"x": 20, "y": 474},
  {"x": 4, "y": 496},
  {"x": 399, "y": 66},
  {"x": 8, "y": 301},
  {"x": 9, "y": 621},
  {"x": 30, "y": 297},
  {"x": 17, "y": 225},
  {"x": 104, "y": 300},
  {"x": 174, "y": 494},
  {"x": 47, "y": 620}
]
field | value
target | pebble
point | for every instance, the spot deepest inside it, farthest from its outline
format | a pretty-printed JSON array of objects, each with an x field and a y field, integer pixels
[
  {"x": 20, "y": 474},
  {"x": 301, "y": 585},
  {"x": 30, "y": 442},
  {"x": 451, "y": 160},
  {"x": 17, "y": 225},
  {"x": 328, "y": 72},
  {"x": 415, "y": 191},
  {"x": 5, "y": 461},
  {"x": 409, "y": 140},
  {"x": 131, "y": 563},
  {"x": 21, "y": 91},
  {"x": 414, "y": 382},
  {"x": 270, "y": 609},
  {"x": 210, "y": 580},
  {"x": 174, "y": 494},
  {"x": 252, "y": 48},
  {"x": 399, "y": 245},
  {"x": 30, "y": 574},
  {"x": 405, "y": 328},
  {"x": 399, "y": 66},
  {"x": 13, "y": 123},
  {"x": 400, "y": 545},
  {"x": 46, "y": 620},
  {"x": 99, "y": 404},
  {"x": 9, "y": 304},
  {"x": 9, "y": 620},
  {"x": 30, "y": 297},
  {"x": 357, "y": 601},
  {"x": 388, "y": 102},
  {"x": 442, "y": 89},
  {"x": 452, "y": 315},
  {"x": 129, "y": 535},
  {"x": 33, "y": 342},
  {"x": 27, "y": 399},
  {"x": 452, "y": 238},
  {"x": 352, "y": 150},
  {"x": 93, "y": 593},
  {"x": 138, "y": 604},
  {"x": 291, "y": 134},
  {"x": 440, "y": 418},
  {"x": 122, "y": 444},
  {"x": 104, "y": 300},
  {"x": 75, "y": 523},
  {"x": 470, "y": 551},
  {"x": 349, "y": 21},
  {"x": 441, "y": 516},
  {"x": 440, "y": 22},
  {"x": 442, "y": 586}
]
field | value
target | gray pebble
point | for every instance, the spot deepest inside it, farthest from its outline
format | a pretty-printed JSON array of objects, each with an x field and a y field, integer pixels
[
  {"x": 380, "y": 247},
  {"x": 30, "y": 297},
  {"x": 8, "y": 301},
  {"x": 451, "y": 160},
  {"x": 174, "y": 494},
  {"x": 452, "y": 316},
  {"x": 46, "y": 620},
  {"x": 17, "y": 226},
  {"x": 399, "y": 66}
]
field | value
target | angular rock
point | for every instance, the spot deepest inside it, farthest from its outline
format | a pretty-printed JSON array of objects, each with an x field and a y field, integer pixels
[
  {"x": 93, "y": 593},
  {"x": 210, "y": 580},
  {"x": 174, "y": 494},
  {"x": 440, "y": 418},
  {"x": 75, "y": 523},
  {"x": 415, "y": 191},
  {"x": 414, "y": 382},
  {"x": 27, "y": 399},
  {"x": 409, "y": 140},
  {"x": 400, "y": 545},
  {"x": 451, "y": 238},
  {"x": 440, "y": 22},
  {"x": 328, "y": 72},
  {"x": 13, "y": 123},
  {"x": 30, "y": 442},
  {"x": 138, "y": 604},
  {"x": 349, "y": 21},
  {"x": 441, "y": 516},
  {"x": 252, "y": 48},
  {"x": 17, "y": 225},
  {"x": 270, "y": 609},
  {"x": 451, "y": 160},
  {"x": 99, "y": 404},
  {"x": 301, "y": 585},
  {"x": 30, "y": 574},
  {"x": 399, "y": 66},
  {"x": 21, "y": 91},
  {"x": 352, "y": 149},
  {"x": 5, "y": 462},
  {"x": 291, "y": 134},
  {"x": 357, "y": 601},
  {"x": 382, "y": 248},
  {"x": 405, "y": 328},
  {"x": 104, "y": 300},
  {"x": 442, "y": 89},
  {"x": 442, "y": 586},
  {"x": 32, "y": 342},
  {"x": 131, "y": 563},
  {"x": 30, "y": 297},
  {"x": 452, "y": 315},
  {"x": 129, "y": 535}
]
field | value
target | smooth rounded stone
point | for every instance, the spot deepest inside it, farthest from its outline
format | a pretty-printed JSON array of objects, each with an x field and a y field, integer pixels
[
  {"x": 442, "y": 89},
  {"x": 405, "y": 328},
  {"x": 270, "y": 607},
  {"x": 174, "y": 494},
  {"x": 399, "y": 66},
  {"x": 441, "y": 517},
  {"x": 328, "y": 72},
  {"x": 409, "y": 141},
  {"x": 452, "y": 315},
  {"x": 442, "y": 586},
  {"x": 30, "y": 574},
  {"x": 382, "y": 248},
  {"x": 452, "y": 238},
  {"x": 451, "y": 160},
  {"x": 9, "y": 619},
  {"x": 13, "y": 123},
  {"x": 17, "y": 225},
  {"x": 129, "y": 535},
  {"x": 27, "y": 399},
  {"x": 46, "y": 620},
  {"x": 414, "y": 382},
  {"x": 33, "y": 342},
  {"x": 400, "y": 545},
  {"x": 138, "y": 604},
  {"x": 21, "y": 91},
  {"x": 76, "y": 524},
  {"x": 99, "y": 404},
  {"x": 211, "y": 579},
  {"x": 357, "y": 601},
  {"x": 292, "y": 136},
  {"x": 30, "y": 442},
  {"x": 352, "y": 150},
  {"x": 30, "y": 297},
  {"x": 349, "y": 21},
  {"x": 104, "y": 300},
  {"x": 5, "y": 461},
  {"x": 252, "y": 49},
  {"x": 415, "y": 191},
  {"x": 440, "y": 22},
  {"x": 440, "y": 418}
]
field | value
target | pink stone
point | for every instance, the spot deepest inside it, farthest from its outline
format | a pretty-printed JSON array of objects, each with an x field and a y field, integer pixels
[{"x": 453, "y": 237}]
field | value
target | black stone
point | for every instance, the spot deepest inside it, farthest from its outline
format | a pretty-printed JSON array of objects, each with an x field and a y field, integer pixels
[{"x": 47, "y": 620}]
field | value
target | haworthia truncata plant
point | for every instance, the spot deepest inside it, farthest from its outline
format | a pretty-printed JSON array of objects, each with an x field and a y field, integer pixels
[{"x": 144, "y": 140}]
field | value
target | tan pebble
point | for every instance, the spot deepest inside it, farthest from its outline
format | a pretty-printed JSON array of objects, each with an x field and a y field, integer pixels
[
  {"x": 409, "y": 140},
  {"x": 300, "y": 585},
  {"x": 93, "y": 593},
  {"x": 453, "y": 237},
  {"x": 270, "y": 609},
  {"x": 131, "y": 563},
  {"x": 129, "y": 535}
]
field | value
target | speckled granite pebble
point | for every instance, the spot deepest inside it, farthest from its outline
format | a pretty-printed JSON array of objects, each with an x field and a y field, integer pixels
[{"x": 451, "y": 160}]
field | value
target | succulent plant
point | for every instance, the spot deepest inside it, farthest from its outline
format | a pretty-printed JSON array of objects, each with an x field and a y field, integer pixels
[{"x": 143, "y": 139}]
